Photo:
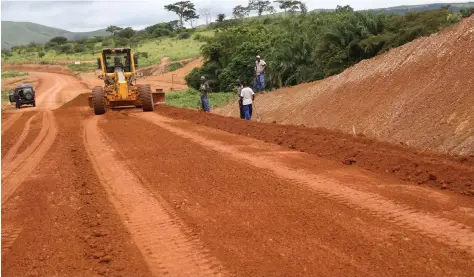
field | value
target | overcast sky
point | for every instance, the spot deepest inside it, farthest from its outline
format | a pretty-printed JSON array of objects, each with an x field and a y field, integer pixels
[{"x": 78, "y": 16}]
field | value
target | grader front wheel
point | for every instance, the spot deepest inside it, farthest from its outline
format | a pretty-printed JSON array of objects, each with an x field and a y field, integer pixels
[
  {"x": 98, "y": 100},
  {"x": 146, "y": 98}
]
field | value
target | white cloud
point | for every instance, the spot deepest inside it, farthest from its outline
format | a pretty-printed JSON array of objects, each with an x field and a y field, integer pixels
[{"x": 93, "y": 15}]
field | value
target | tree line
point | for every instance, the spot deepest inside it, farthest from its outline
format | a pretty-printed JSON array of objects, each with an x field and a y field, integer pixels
[{"x": 309, "y": 46}]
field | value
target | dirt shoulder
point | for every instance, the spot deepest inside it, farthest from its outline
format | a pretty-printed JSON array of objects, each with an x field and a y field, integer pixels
[{"x": 404, "y": 163}]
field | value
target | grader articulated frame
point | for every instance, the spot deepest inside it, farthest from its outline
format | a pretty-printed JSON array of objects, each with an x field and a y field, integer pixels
[{"x": 120, "y": 89}]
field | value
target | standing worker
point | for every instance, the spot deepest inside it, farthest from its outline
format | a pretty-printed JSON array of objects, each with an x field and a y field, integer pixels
[
  {"x": 17, "y": 100},
  {"x": 247, "y": 95},
  {"x": 239, "y": 90},
  {"x": 204, "y": 89},
  {"x": 260, "y": 68}
]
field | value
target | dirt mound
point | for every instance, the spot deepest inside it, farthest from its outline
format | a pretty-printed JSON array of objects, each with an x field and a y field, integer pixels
[
  {"x": 419, "y": 94},
  {"x": 38, "y": 68},
  {"x": 80, "y": 101},
  {"x": 177, "y": 76},
  {"x": 404, "y": 163}
]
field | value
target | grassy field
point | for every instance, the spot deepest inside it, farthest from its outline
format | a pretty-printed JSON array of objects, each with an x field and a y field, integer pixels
[
  {"x": 191, "y": 99},
  {"x": 173, "y": 48},
  {"x": 11, "y": 74},
  {"x": 4, "y": 96}
]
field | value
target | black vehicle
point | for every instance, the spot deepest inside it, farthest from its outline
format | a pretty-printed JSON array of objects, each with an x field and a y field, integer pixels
[{"x": 25, "y": 95}]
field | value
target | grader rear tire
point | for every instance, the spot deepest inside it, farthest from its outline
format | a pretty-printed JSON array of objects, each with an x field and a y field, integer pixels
[
  {"x": 98, "y": 100},
  {"x": 146, "y": 97}
]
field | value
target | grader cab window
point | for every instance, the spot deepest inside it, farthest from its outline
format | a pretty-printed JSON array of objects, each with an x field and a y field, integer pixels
[{"x": 113, "y": 60}]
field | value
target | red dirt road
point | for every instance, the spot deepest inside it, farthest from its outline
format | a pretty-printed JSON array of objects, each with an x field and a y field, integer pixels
[{"x": 150, "y": 194}]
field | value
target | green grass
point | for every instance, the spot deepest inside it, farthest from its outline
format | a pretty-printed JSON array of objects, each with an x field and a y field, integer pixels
[
  {"x": 83, "y": 67},
  {"x": 191, "y": 99},
  {"x": 174, "y": 66},
  {"x": 11, "y": 74},
  {"x": 5, "y": 97},
  {"x": 173, "y": 48}
]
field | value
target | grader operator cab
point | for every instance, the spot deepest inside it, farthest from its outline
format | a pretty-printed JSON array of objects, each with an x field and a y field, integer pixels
[{"x": 120, "y": 89}]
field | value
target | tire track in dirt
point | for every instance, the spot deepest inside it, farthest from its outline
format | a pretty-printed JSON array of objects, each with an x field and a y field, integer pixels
[
  {"x": 441, "y": 229},
  {"x": 13, "y": 151},
  {"x": 9, "y": 235},
  {"x": 162, "y": 240},
  {"x": 10, "y": 121},
  {"x": 28, "y": 159}
]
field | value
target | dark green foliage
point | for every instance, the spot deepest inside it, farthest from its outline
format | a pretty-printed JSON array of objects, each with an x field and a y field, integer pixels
[
  {"x": 184, "y": 35},
  {"x": 126, "y": 33},
  {"x": 175, "y": 65},
  {"x": 78, "y": 48},
  {"x": 308, "y": 47},
  {"x": 58, "y": 40},
  {"x": 67, "y": 48},
  {"x": 467, "y": 12}
]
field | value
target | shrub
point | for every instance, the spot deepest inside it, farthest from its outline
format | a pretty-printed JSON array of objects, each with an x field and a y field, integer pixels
[
  {"x": 185, "y": 35},
  {"x": 174, "y": 66}
]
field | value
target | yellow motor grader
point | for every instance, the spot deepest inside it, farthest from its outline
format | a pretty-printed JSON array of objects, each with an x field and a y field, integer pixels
[{"x": 120, "y": 90}]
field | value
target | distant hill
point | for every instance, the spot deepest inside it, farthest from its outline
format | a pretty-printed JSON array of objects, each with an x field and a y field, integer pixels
[
  {"x": 21, "y": 33},
  {"x": 419, "y": 8}
]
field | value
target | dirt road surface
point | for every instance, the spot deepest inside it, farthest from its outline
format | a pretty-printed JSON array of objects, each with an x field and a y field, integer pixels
[{"x": 181, "y": 193}]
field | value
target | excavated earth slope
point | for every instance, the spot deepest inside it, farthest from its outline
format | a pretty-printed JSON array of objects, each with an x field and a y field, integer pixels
[{"x": 420, "y": 94}]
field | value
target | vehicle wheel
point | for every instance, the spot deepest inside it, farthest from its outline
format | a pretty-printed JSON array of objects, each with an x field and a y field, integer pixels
[
  {"x": 34, "y": 104},
  {"x": 98, "y": 100},
  {"x": 146, "y": 97},
  {"x": 28, "y": 96}
]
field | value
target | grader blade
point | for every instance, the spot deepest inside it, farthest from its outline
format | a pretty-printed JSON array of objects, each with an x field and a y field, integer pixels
[{"x": 158, "y": 97}]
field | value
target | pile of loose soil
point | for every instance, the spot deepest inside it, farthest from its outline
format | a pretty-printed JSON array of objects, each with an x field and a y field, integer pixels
[
  {"x": 453, "y": 172},
  {"x": 420, "y": 94}
]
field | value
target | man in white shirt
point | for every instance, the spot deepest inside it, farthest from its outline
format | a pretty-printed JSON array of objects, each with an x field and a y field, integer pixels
[
  {"x": 260, "y": 68},
  {"x": 247, "y": 96}
]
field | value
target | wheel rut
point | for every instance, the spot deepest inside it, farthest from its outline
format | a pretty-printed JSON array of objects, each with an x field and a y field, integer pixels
[
  {"x": 12, "y": 177},
  {"x": 10, "y": 121},
  {"x": 434, "y": 226},
  {"x": 14, "y": 150},
  {"x": 168, "y": 248}
]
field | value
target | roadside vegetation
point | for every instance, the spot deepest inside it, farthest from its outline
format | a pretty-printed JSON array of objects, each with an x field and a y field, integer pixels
[
  {"x": 11, "y": 74},
  {"x": 5, "y": 99},
  {"x": 302, "y": 47},
  {"x": 191, "y": 99},
  {"x": 298, "y": 45}
]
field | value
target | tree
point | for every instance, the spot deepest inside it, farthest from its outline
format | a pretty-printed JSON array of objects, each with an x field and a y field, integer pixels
[
  {"x": 261, "y": 6},
  {"x": 113, "y": 29},
  {"x": 289, "y": 5},
  {"x": 191, "y": 16},
  {"x": 126, "y": 33},
  {"x": 240, "y": 12},
  {"x": 345, "y": 9},
  {"x": 467, "y": 12},
  {"x": 58, "y": 40},
  {"x": 220, "y": 17},
  {"x": 206, "y": 12},
  {"x": 303, "y": 8},
  {"x": 41, "y": 54},
  {"x": 184, "y": 9}
]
